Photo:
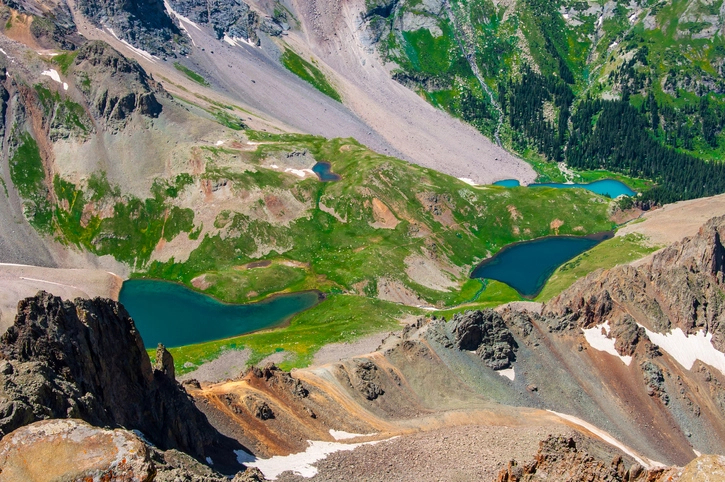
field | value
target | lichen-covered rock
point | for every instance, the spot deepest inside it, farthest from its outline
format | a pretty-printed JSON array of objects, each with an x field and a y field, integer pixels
[
  {"x": 73, "y": 450},
  {"x": 705, "y": 468}
]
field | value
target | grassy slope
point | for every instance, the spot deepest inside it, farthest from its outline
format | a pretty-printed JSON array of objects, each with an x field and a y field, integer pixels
[
  {"x": 309, "y": 73},
  {"x": 535, "y": 31},
  {"x": 330, "y": 254},
  {"x": 340, "y": 318}
]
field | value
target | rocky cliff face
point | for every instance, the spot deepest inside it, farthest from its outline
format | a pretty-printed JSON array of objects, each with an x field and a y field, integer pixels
[
  {"x": 114, "y": 86},
  {"x": 85, "y": 360},
  {"x": 142, "y": 23},
  {"x": 680, "y": 287},
  {"x": 232, "y": 18}
]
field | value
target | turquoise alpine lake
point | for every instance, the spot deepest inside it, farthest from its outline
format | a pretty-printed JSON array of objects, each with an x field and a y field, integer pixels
[
  {"x": 174, "y": 315},
  {"x": 527, "y": 265},
  {"x": 324, "y": 172},
  {"x": 605, "y": 187}
]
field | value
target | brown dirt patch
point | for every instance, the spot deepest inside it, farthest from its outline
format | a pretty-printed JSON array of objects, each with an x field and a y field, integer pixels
[
  {"x": 397, "y": 292},
  {"x": 201, "y": 283},
  {"x": 555, "y": 225},
  {"x": 384, "y": 217},
  {"x": 428, "y": 273},
  {"x": 515, "y": 215},
  {"x": 20, "y": 30}
]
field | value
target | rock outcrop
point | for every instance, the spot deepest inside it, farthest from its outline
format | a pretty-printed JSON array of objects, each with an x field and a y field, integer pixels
[
  {"x": 679, "y": 287},
  {"x": 144, "y": 24},
  {"x": 231, "y": 18},
  {"x": 71, "y": 449},
  {"x": 486, "y": 333},
  {"x": 115, "y": 87},
  {"x": 85, "y": 360},
  {"x": 559, "y": 459}
]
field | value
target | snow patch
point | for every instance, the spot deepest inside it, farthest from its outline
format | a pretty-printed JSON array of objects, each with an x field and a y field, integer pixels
[
  {"x": 274, "y": 166},
  {"x": 237, "y": 41},
  {"x": 467, "y": 181},
  {"x": 340, "y": 435},
  {"x": 696, "y": 452},
  {"x": 686, "y": 349},
  {"x": 219, "y": 143},
  {"x": 601, "y": 341},
  {"x": 141, "y": 52},
  {"x": 609, "y": 439},
  {"x": 300, "y": 463},
  {"x": 209, "y": 461},
  {"x": 300, "y": 172},
  {"x": 53, "y": 74},
  {"x": 509, "y": 373}
]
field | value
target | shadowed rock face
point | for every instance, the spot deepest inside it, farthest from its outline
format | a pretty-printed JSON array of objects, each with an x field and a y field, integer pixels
[
  {"x": 485, "y": 333},
  {"x": 86, "y": 360}
]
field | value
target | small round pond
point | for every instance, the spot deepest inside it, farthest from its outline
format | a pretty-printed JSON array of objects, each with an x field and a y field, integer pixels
[
  {"x": 324, "y": 172},
  {"x": 526, "y": 266},
  {"x": 174, "y": 315},
  {"x": 605, "y": 187}
]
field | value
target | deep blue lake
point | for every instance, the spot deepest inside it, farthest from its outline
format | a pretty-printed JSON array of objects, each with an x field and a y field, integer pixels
[
  {"x": 174, "y": 315},
  {"x": 605, "y": 187},
  {"x": 324, "y": 172},
  {"x": 527, "y": 265}
]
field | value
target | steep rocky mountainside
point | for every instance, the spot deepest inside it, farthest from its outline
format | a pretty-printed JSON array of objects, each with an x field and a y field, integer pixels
[
  {"x": 680, "y": 287},
  {"x": 587, "y": 360},
  {"x": 144, "y": 24},
  {"x": 85, "y": 360}
]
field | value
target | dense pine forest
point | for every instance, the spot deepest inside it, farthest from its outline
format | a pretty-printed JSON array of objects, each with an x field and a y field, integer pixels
[{"x": 636, "y": 88}]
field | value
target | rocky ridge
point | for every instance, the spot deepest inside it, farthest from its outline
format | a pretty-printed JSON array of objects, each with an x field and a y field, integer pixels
[
  {"x": 234, "y": 19},
  {"x": 85, "y": 360},
  {"x": 144, "y": 24},
  {"x": 114, "y": 86},
  {"x": 561, "y": 458}
]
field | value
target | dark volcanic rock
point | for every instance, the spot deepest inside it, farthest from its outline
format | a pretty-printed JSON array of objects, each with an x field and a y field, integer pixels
[
  {"x": 486, "y": 333},
  {"x": 142, "y": 23},
  {"x": 86, "y": 360}
]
